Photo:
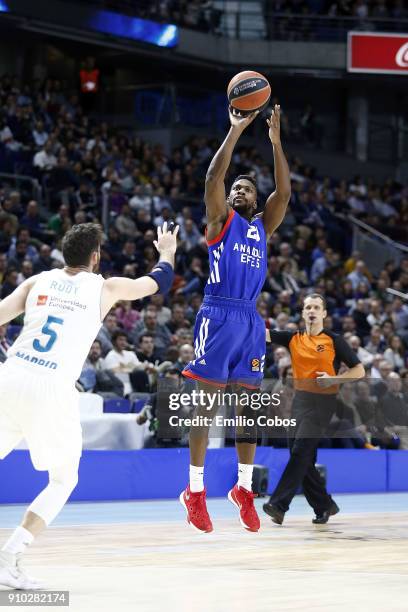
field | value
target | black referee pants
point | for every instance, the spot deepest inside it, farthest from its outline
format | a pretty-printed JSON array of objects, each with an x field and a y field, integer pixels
[{"x": 313, "y": 413}]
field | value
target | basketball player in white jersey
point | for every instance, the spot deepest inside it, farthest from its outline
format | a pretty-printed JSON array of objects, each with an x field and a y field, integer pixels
[{"x": 64, "y": 310}]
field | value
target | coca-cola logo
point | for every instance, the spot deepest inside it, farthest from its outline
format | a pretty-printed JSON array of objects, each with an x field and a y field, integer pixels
[{"x": 402, "y": 56}]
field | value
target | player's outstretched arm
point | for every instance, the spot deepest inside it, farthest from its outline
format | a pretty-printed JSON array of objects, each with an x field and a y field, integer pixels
[
  {"x": 277, "y": 202},
  {"x": 14, "y": 304},
  {"x": 215, "y": 200},
  {"x": 159, "y": 279}
]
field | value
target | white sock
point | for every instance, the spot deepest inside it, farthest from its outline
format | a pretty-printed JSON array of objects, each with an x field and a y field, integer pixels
[
  {"x": 245, "y": 476},
  {"x": 18, "y": 541},
  {"x": 196, "y": 479}
]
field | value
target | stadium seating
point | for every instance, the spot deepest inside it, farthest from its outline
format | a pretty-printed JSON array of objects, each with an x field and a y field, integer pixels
[
  {"x": 330, "y": 240},
  {"x": 121, "y": 405}
]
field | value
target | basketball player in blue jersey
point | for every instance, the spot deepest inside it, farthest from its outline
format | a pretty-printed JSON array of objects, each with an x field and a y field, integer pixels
[{"x": 229, "y": 333}]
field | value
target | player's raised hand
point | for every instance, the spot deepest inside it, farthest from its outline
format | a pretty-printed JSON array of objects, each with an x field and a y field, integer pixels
[
  {"x": 274, "y": 125},
  {"x": 241, "y": 121},
  {"x": 166, "y": 239}
]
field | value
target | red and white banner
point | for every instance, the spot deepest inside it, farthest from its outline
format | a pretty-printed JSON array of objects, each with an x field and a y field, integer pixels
[{"x": 377, "y": 53}]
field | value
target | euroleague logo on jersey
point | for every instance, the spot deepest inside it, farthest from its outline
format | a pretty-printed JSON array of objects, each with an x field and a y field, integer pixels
[
  {"x": 42, "y": 300},
  {"x": 255, "y": 365},
  {"x": 320, "y": 348}
]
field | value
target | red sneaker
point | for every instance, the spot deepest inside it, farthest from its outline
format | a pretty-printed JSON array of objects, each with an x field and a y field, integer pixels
[
  {"x": 244, "y": 501},
  {"x": 196, "y": 508}
]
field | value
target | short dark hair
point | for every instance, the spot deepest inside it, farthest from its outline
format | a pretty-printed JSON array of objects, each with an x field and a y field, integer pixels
[
  {"x": 143, "y": 336},
  {"x": 247, "y": 177},
  {"x": 80, "y": 242},
  {"x": 315, "y": 296},
  {"x": 386, "y": 321},
  {"x": 118, "y": 334},
  {"x": 173, "y": 370}
]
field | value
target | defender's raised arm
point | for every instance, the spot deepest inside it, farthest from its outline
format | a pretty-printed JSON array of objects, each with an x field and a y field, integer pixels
[
  {"x": 159, "y": 279},
  {"x": 14, "y": 304}
]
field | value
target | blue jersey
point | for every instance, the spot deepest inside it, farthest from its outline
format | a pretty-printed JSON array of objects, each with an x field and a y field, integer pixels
[
  {"x": 229, "y": 333},
  {"x": 237, "y": 259}
]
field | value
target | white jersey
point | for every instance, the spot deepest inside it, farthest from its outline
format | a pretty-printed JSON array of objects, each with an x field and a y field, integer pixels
[{"x": 62, "y": 319}]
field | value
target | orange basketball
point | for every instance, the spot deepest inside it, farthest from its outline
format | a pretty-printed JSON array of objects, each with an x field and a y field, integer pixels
[{"x": 248, "y": 91}]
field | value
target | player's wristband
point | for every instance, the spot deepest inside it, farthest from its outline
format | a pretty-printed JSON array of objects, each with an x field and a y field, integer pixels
[{"x": 163, "y": 274}]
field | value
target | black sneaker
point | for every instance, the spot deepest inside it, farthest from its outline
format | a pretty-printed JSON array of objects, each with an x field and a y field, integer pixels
[
  {"x": 321, "y": 519},
  {"x": 273, "y": 511}
]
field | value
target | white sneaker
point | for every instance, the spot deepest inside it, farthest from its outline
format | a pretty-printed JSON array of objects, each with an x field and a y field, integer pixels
[{"x": 12, "y": 575}]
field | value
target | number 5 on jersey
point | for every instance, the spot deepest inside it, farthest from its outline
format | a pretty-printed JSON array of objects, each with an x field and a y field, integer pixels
[{"x": 47, "y": 330}]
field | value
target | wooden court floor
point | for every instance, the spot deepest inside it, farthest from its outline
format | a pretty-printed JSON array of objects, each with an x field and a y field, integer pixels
[{"x": 358, "y": 561}]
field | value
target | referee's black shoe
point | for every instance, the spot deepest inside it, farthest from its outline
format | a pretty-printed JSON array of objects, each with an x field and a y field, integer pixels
[
  {"x": 321, "y": 519},
  {"x": 273, "y": 511}
]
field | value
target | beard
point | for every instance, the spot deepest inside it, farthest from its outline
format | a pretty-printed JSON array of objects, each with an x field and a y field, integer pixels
[{"x": 242, "y": 207}]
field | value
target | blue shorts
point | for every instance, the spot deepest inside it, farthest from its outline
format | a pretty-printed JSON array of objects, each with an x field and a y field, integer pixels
[{"x": 229, "y": 343}]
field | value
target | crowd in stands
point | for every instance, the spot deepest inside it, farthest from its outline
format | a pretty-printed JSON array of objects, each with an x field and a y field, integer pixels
[
  {"x": 292, "y": 20},
  {"x": 361, "y": 9},
  {"x": 212, "y": 16},
  {"x": 283, "y": 19},
  {"x": 203, "y": 14},
  {"x": 81, "y": 164}
]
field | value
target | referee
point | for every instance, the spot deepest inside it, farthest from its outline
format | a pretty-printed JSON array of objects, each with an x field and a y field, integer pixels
[{"x": 316, "y": 358}]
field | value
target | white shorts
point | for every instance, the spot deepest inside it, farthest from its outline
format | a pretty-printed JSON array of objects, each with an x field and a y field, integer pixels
[{"x": 44, "y": 411}]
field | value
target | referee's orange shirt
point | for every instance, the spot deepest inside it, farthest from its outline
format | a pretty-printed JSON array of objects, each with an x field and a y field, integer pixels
[{"x": 311, "y": 354}]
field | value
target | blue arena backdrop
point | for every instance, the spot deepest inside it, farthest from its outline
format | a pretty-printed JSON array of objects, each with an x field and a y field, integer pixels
[
  {"x": 160, "y": 34},
  {"x": 3, "y": 7},
  {"x": 160, "y": 473}
]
